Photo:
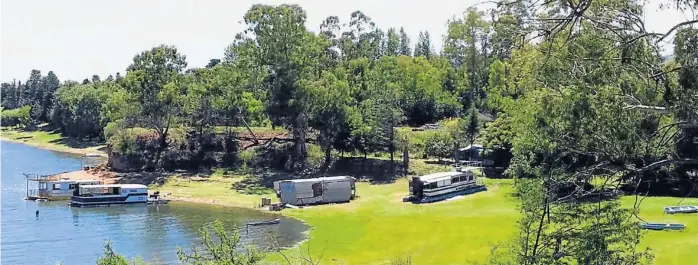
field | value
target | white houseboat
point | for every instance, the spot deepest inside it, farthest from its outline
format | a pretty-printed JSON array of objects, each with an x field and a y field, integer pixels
[
  {"x": 443, "y": 185},
  {"x": 95, "y": 195},
  {"x": 53, "y": 187}
]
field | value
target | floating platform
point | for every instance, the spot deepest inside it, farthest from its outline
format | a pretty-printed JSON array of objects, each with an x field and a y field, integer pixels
[
  {"x": 662, "y": 226},
  {"x": 446, "y": 196},
  {"x": 681, "y": 209}
]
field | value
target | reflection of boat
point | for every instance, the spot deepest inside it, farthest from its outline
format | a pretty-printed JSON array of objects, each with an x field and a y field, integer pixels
[
  {"x": 269, "y": 222},
  {"x": 681, "y": 209},
  {"x": 155, "y": 199},
  {"x": 662, "y": 226}
]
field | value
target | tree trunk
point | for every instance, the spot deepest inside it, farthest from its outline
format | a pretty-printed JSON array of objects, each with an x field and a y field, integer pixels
[{"x": 328, "y": 157}]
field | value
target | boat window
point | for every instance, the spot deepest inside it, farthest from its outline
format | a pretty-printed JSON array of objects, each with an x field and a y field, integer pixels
[
  {"x": 431, "y": 185},
  {"x": 455, "y": 180},
  {"x": 42, "y": 185},
  {"x": 57, "y": 186},
  {"x": 71, "y": 186}
]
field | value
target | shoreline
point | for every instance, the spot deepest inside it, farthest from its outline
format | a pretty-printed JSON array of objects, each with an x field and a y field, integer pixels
[{"x": 55, "y": 147}]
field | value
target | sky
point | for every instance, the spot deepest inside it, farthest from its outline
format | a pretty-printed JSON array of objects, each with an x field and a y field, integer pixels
[{"x": 79, "y": 38}]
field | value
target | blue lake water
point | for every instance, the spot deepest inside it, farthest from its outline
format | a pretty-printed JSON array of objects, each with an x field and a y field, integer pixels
[{"x": 77, "y": 235}]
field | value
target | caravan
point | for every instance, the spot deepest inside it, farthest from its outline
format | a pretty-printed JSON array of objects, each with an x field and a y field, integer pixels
[{"x": 316, "y": 190}]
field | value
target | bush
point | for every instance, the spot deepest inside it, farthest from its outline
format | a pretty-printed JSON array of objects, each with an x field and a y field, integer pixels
[
  {"x": 439, "y": 145},
  {"x": 15, "y": 117}
]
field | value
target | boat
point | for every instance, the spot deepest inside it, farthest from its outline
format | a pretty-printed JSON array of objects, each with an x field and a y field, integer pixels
[
  {"x": 91, "y": 155},
  {"x": 443, "y": 185},
  {"x": 155, "y": 199},
  {"x": 662, "y": 226},
  {"x": 269, "y": 222},
  {"x": 105, "y": 195},
  {"x": 681, "y": 209}
]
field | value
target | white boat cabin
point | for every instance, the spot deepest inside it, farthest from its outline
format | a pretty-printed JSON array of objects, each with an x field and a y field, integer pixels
[
  {"x": 61, "y": 189},
  {"x": 109, "y": 194}
]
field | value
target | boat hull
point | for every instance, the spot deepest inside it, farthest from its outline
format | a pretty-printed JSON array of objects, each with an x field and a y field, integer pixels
[
  {"x": 94, "y": 204},
  {"x": 441, "y": 197}
]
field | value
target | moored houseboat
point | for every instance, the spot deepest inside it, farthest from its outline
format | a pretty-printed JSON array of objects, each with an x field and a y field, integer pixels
[
  {"x": 97, "y": 195},
  {"x": 443, "y": 185},
  {"x": 53, "y": 187}
]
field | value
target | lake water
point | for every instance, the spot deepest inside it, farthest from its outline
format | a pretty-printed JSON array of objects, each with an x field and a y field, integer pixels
[{"x": 76, "y": 235}]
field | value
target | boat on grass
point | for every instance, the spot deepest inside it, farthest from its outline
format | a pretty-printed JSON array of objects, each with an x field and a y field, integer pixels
[
  {"x": 662, "y": 226},
  {"x": 681, "y": 209},
  {"x": 268, "y": 222},
  {"x": 105, "y": 195},
  {"x": 442, "y": 186}
]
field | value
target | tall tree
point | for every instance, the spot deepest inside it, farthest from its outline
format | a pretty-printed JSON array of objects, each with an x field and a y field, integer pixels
[
  {"x": 154, "y": 78},
  {"x": 281, "y": 36},
  {"x": 423, "y": 46},
  {"x": 404, "y": 43},
  {"x": 392, "y": 43}
]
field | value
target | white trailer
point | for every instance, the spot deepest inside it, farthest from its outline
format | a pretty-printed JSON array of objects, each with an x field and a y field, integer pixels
[{"x": 316, "y": 190}]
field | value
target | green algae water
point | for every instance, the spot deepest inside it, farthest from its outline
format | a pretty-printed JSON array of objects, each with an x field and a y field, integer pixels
[{"x": 74, "y": 235}]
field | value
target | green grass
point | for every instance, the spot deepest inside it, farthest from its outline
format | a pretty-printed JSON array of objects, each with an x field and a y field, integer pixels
[
  {"x": 378, "y": 227},
  {"x": 669, "y": 247},
  {"x": 50, "y": 140}
]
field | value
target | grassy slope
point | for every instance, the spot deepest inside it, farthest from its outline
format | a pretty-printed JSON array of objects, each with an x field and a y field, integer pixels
[
  {"x": 50, "y": 140},
  {"x": 378, "y": 226},
  {"x": 669, "y": 247}
]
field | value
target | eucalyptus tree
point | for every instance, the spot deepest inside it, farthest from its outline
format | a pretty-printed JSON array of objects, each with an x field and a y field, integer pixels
[{"x": 155, "y": 81}]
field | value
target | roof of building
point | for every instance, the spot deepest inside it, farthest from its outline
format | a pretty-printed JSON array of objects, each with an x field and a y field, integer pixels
[
  {"x": 440, "y": 175},
  {"x": 124, "y": 186},
  {"x": 320, "y": 179}
]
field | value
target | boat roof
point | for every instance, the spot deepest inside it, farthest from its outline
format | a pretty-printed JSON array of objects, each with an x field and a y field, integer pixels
[
  {"x": 125, "y": 186},
  {"x": 72, "y": 181},
  {"x": 440, "y": 175},
  {"x": 319, "y": 179}
]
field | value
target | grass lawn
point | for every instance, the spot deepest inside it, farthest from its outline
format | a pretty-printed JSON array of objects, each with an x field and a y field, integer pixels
[
  {"x": 378, "y": 227},
  {"x": 669, "y": 247},
  {"x": 51, "y": 140}
]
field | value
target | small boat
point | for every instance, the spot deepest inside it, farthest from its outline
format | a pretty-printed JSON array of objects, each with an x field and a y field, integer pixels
[
  {"x": 155, "y": 199},
  {"x": 269, "y": 222},
  {"x": 662, "y": 226},
  {"x": 681, "y": 209},
  {"x": 91, "y": 155}
]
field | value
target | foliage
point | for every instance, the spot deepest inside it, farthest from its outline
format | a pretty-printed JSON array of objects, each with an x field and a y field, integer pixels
[
  {"x": 224, "y": 252},
  {"x": 109, "y": 257},
  {"x": 15, "y": 117},
  {"x": 439, "y": 145}
]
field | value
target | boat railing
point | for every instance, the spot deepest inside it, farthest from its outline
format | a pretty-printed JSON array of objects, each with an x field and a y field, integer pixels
[{"x": 37, "y": 193}]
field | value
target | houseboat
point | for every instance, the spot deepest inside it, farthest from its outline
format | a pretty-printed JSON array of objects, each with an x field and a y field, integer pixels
[
  {"x": 53, "y": 187},
  {"x": 96, "y": 195},
  {"x": 443, "y": 185}
]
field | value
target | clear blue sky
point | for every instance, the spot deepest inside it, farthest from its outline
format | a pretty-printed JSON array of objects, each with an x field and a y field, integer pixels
[{"x": 79, "y": 38}]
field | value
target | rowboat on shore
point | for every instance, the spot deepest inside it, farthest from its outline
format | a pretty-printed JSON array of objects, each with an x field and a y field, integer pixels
[
  {"x": 662, "y": 226},
  {"x": 268, "y": 222},
  {"x": 681, "y": 209}
]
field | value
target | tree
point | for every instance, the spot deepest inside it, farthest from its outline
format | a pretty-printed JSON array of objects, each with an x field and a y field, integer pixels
[
  {"x": 423, "y": 46},
  {"x": 288, "y": 51},
  {"x": 392, "y": 43},
  {"x": 223, "y": 252},
  {"x": 404, "y": 43},
  {"x": 472, "y": 126},
  {"x": 329, "y": 111},
  {"x": 154, "y": 78}
]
